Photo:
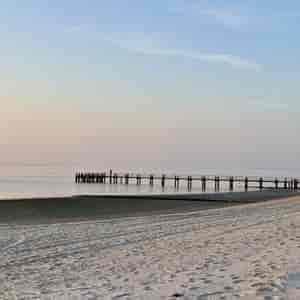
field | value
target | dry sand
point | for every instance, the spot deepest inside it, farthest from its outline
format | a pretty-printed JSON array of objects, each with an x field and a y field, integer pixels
[{"x": 238, "y": 252}]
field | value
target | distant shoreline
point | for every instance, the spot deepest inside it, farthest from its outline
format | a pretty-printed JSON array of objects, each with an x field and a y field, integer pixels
[
  {"x": 239, "y": 196},
  {"x": 82, "y": 208}
]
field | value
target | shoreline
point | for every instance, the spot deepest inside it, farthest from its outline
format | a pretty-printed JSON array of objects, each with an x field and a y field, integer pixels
[
  {"x": 95, "y": 207},
  {"x": 249, "y": 196}
]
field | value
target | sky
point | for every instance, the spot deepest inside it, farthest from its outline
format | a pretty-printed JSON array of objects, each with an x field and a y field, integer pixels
[{"x": 150, "y": 85}]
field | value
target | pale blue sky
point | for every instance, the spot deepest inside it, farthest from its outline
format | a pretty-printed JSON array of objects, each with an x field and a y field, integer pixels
[{"x": 187, "y": 65}]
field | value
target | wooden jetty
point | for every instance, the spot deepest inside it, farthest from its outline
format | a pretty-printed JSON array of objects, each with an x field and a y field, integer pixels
[{"x": 137, "y": 178}]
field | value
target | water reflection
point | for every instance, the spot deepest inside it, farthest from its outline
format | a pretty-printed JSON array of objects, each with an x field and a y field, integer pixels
[{"x": 59, "y": 186}]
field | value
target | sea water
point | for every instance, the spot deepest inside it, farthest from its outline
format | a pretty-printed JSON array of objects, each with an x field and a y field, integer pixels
[{"x": 49, "y": 180}]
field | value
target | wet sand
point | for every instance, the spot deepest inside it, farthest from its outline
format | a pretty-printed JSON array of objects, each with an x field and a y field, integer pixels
[{"x": 110, "y": 206}]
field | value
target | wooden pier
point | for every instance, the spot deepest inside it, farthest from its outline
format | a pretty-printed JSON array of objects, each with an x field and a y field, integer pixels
[{"x": 151, "y": 179}]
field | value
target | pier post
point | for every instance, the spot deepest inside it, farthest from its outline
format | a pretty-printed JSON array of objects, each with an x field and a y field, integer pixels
[
  {"x": 285, "y": 183},
  {"x": 261, "y": 183},
  {"x": 127, "y": 178},
  {"x": 276, "y": 183},
  {"x": 115, "y": 178},
  {"x": 296, "y": 184},
  {"x": 217, "y": 183},
  {"x": 189, "y": 182},
  {"x": 176, "y": 182},
  {"x": 163, "y": 179},
  {"x": 151, "y": 180},
  {"x": 138, "y": 179},
  {"x": 246, "y": 183},
  {"x": 110, "y": 176},
  {"x": 231, "y": 183},
  {"x": 203, "y": 181}
]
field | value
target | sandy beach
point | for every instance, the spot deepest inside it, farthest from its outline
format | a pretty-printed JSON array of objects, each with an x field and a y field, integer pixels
[{"x": 249, "y": 251}]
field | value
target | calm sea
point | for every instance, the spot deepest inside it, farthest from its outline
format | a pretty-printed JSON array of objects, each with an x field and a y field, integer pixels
[{"x": 27, "y": 181}]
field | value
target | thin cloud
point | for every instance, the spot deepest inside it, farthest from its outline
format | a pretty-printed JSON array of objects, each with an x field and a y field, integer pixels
[
  {"x": 154, "y": 49},
  {"x": 141, "y": 44}
]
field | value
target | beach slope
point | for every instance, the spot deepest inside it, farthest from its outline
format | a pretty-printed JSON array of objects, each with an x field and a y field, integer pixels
[{"x": 238, "y": 252}]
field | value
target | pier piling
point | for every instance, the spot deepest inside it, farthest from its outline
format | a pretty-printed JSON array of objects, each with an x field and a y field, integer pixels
[
  {"x": 285, "y": 183},
  {"x": 246, "y": 183},
  {"x": 189, "y": 183},
  {"x": 151, "y": 180},
  {"x": 276, "y": 183},
  {"x": 110, "y": 176},
  {"x": 231, "y": 183},
  {"x": 163, "y": 179},
  {"x": 261, "y": 183},
  {"x": 203, "y": 181}
]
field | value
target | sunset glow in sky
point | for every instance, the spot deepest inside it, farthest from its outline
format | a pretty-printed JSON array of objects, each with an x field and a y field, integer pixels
[{"x": 155, "y": 85}]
